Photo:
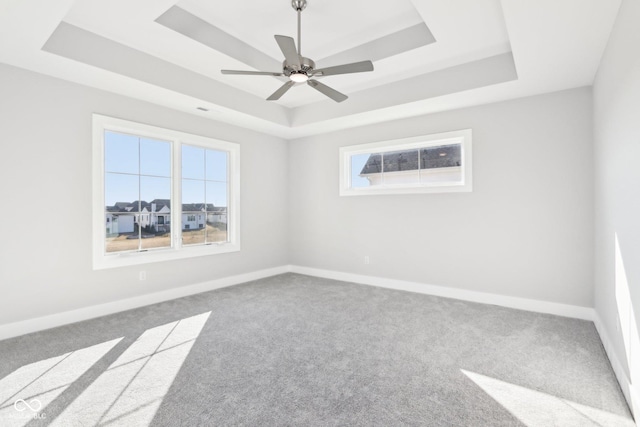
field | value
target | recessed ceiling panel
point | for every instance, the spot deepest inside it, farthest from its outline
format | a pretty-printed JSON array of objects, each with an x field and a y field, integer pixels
[
  {"x": 328, "y": 26},
  {"x": 384, "y": 47},
  {"x": 197, "y": 29}
]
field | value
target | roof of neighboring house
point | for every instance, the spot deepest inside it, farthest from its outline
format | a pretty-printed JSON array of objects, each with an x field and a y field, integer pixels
[
  {"x": 138, "y": 204},
  {"x": 197, "y": 207},
  {"x": 164, "y": 202},
  {"x": 160, "y": 206},
  {"x": 444, "y": 156},
  {"x": 132, "y": 207}
]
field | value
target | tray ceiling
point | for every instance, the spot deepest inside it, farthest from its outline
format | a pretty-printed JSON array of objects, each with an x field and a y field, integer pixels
[{"x": 429, "y": 55}]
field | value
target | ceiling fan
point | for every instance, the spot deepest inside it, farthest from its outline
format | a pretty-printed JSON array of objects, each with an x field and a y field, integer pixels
[{"x": 300, "y": 69}]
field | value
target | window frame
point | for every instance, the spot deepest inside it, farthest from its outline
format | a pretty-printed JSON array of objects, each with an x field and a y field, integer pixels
[
  {"x": 104, "y": 260},
  {"x": 462, "y": 137}
]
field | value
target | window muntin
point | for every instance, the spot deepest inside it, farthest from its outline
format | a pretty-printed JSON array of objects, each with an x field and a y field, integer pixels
[
  {"x": 139, "y": 192},
  {"x": 431, "y": 163}
]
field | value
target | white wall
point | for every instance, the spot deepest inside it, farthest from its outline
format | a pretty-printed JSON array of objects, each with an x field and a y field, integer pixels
[
  {"x": 46, "y": 164},
  {"x": 617, "y": 196},
  {"x": 526, "y": 230}
]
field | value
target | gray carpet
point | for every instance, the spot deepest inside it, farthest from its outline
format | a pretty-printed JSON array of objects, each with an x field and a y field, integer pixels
[{"x": 296, "y": 350}]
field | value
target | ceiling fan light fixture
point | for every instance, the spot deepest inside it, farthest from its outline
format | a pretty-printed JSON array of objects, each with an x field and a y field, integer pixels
[{"x": 299, "y": 77}]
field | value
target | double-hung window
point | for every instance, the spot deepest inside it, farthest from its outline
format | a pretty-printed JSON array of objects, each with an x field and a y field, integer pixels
[{"x": 160, "y": 194}]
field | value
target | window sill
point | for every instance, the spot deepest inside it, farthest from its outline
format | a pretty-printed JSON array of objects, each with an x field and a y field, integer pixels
[
  {"x": 125, "y": 259},
  {"x": 407, "y": 189}
]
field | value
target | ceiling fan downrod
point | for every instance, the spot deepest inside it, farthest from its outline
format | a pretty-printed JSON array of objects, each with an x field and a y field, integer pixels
[{"x": 298, "y": 6}]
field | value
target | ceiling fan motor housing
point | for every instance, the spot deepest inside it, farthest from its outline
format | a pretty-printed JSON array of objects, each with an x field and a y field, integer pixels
[{"x": 306, "y": 66}]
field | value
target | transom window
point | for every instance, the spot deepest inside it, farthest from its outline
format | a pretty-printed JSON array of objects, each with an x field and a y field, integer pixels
[
  {"x": 161, "y": 194},
  {"x": 431, "y": 163}
]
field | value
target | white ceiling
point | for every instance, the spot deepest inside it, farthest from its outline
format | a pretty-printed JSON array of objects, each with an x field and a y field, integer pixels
[{"x": 429, "y": 55}]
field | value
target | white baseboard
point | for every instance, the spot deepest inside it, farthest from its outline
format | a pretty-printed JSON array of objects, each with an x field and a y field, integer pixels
[
  {"x": 51, "y": 321},
  {"x": 40, "y": 323},
  {"x": 566, "y": 310},
  {"x": 631, "y": 392}
]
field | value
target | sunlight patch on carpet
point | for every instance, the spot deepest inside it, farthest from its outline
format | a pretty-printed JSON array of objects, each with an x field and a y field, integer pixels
[
  {"x": 26, "y": 392},
  {"x": 535, "y": 408},
  {"x": 131, "y": 390}
]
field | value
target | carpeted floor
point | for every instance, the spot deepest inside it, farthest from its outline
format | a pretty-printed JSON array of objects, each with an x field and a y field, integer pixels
[{"x": 296, "y": 350}]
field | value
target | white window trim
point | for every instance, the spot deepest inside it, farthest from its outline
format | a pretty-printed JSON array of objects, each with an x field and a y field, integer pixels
[
  {"x": 101, "y": 260},
  {"x": 462, "y": 137}
]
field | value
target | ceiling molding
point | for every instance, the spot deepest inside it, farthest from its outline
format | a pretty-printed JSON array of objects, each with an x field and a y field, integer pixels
[{"x": 80, "y": 45}]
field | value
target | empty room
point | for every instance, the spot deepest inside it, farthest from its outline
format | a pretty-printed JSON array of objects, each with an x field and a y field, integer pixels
[{"x": 320, "y": 213}]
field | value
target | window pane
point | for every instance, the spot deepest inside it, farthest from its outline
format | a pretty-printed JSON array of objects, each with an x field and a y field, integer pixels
[
  {"x": 216, "y": 211},
  {"x": 155, "y": 189},
  {"x": 155, "y": 157},
  {"x": 193, "y": 192},
  {"x": 121, "y": 195},
  {"x": 398, "y": 161},
  {"x": 401, "y": 167},
  {"x": 373, "y": 165},
  {"x": 120, "y": 189},
  {"x": 444, "y": 156},
  {"x": 121, "y": 152},
  {"x": 217, "y": 193},
  {"x": 371, "y": 172},
  {"x": 358, "y": 162},
  {"x": 441, "y": 164},
  {"x": 217, "y": 226},
  {"x": 192, "y": 162},
  {"x": 155, "y": 194},
  {"x": 216, "y": 165},
  {"x": 193, "y": 212}
]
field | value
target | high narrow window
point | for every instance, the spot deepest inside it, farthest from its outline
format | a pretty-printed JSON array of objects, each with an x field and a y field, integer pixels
[
  {"x": 161, "y": 194},
  {"x": 425, "y": 164}
]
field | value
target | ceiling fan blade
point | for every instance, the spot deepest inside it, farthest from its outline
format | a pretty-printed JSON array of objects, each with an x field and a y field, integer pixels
[
  {"x": 252, "y": 73},
  {"x": 281, "y": 91},
  {"x": 288, "y": 48},
  {"x": 356, "y": 67},
  {"x": 323, "y": 88}
]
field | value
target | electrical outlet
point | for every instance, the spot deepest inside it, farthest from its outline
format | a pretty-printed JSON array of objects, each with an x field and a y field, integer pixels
[
  {"x": 143, "y": 275},
  {"x": 367, "y": 261}
]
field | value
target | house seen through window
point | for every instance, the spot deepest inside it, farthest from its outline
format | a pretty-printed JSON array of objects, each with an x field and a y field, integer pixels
[
  {"x": 434, "y": 163},
  {"x": 163, "y": 194}
]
